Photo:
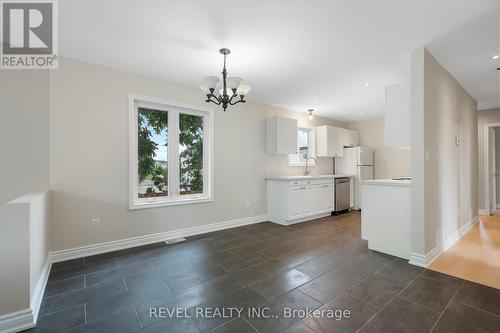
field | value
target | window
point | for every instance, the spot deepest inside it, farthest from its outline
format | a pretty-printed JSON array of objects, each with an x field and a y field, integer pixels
[
  {"x": 170, "y": 153},
  {"x": 305, "y": 146}
]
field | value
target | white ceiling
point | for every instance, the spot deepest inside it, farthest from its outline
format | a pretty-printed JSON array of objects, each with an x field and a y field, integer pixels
[{"x": 294, "y": 53}]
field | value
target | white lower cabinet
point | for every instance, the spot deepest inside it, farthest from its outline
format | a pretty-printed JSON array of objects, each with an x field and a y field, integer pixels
[
  {"x": 291, "y": 202},
  {"x": 323, "y": 198},
  {"x": 307, "y": 200},
  {"x": 295, "y": 195}
]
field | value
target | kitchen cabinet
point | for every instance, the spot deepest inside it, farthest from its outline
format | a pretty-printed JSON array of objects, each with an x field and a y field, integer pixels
[
  {"x": 387, "y": 232},
  {"x": 296, "y": 201},
  {"x": 349, "y": 138},
  {"x": 323, "y": 198},
  {"x": 329, "y": 141},
  {"x": 397, "y": 116},
  {"x": 281, "y": 135}
]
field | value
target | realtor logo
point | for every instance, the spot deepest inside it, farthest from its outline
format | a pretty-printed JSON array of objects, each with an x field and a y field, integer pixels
[{"x": 29, "y": 34}]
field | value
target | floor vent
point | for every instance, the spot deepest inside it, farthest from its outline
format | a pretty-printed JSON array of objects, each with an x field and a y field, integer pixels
[{"x": 175, "y": 240}]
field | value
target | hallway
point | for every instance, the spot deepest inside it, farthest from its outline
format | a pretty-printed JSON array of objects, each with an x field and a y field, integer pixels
[{"x": 476, "y": 256}]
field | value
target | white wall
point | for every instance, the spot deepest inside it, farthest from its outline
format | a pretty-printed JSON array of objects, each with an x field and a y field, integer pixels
[
  {"x": 39, "y": 237},
  {"x": 89, "y": 157},
  {"x": 445, "y": 186},
  {"x": 390, "y": 162},
  {"x": 24, "y": 132},
  {"x": 14, "y": 247},
  {"x": 24, "y": 244},
  {"x": 483, "y": 118}
]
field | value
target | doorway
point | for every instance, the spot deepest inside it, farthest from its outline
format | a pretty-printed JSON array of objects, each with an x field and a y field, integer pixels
[{"x": 492, "y": 168}]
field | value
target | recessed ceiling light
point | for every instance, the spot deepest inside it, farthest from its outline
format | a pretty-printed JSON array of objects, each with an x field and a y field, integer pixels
[
  {"x": 368, "y": 84},
  {"x": 495, "y": 57}
]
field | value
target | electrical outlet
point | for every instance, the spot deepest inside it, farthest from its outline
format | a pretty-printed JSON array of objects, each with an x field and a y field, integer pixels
[{"x": 96, "y": 223}]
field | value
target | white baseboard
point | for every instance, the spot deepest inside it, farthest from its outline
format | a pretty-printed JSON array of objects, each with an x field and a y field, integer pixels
[
  {"x": 16, "y": 321},
  {"x": 36, "y": 301},
  {"x": 84, "y": 251},
  {"x": 25, "y": 319},
  {"x": 481, "y": 212},
  {"x": 498, "y": 205},
  {"x": 303, "y": 219},
  {"x": 426, "y": 260}
]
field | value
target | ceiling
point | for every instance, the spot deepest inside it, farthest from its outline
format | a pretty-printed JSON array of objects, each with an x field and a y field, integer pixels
[{"x": 296, "y": 54}]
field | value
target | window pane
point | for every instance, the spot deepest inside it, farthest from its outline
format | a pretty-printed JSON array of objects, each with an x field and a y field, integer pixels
[
  {"x": 191, "y": 154},
  {"x": 303, "y": 141},
  {"x": 152, "y": 152}
]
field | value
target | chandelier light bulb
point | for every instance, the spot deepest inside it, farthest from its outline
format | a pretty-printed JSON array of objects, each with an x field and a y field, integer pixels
[{"x": 310, "y": 116}]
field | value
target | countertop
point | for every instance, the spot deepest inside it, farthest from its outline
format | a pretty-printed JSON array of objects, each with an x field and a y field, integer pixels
[
  {"x": 387, "y": 182},
  {"x": 288, "y": 178}
]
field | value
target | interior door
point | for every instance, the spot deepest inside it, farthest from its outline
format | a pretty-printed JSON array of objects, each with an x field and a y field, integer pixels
[{"x": 492, "y": 171}]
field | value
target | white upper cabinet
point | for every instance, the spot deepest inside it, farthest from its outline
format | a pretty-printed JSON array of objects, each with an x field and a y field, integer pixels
[
  {"x": 350, "y": 138},
  {"x": 329, "y": 141},
  {"x": 397, "y": 116},
  {"x": 281, "y": 135}
]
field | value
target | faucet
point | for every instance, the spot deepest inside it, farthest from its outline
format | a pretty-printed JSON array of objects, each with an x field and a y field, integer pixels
[{"x": 307, "y": 158}]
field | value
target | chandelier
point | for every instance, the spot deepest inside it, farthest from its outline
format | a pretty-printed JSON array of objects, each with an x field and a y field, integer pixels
[{"x": 230, "y": 92}]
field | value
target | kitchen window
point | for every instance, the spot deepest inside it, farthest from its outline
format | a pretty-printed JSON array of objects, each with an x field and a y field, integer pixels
[
  {"x": 305, "y": 147},
  {"x": 170, "y": 153}
]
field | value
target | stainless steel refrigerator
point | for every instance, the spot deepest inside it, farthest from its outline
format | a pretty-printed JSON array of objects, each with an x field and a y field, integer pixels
[{"x": 356, "y": 162}]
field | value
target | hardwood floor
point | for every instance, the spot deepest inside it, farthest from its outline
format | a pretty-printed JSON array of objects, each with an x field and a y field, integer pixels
[
  {"x": 476, "y": 256},
  {"x": 322, "y": 264}
]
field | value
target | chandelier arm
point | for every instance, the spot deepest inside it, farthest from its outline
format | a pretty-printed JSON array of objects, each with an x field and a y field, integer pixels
[
  {"x": 231, "y": 99},
  {"x": 216, "y": 101},
  {"x": 238, "y": 101}
]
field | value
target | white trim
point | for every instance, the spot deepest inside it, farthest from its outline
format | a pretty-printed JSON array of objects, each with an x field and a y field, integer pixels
[
  {"x": 16, "y": 321},
  {"x": 481, "y": 212},
  {"x": 426, "y": 260},
  {"x": 173, "y": 110},
  {"x": 186, "y": 201},
  {"x": 486, "y": 166},
  {"x": 417, "y": 259},
  {"x": 300, "y": 220},
  {"x": 84, "y": 251},
  {"x": 25, "y": 319},
  {"x": 498, "y": 205},
  {"x": 36, "y": 300}
]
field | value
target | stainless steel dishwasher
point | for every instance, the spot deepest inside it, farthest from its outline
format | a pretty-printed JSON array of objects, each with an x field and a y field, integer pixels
[{"x": 342, "y": 194}]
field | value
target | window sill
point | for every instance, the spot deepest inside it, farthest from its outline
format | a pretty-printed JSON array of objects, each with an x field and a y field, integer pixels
[{"x": 166, "y": 203}]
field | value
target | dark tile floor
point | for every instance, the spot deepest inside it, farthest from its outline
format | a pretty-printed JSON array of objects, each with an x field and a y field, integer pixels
[{"x": 267, "y": 269}]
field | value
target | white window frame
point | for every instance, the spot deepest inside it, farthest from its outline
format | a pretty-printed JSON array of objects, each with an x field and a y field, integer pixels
[
  {"x": 174, "y": 109},
  {"x": 299, "y": 161}
]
